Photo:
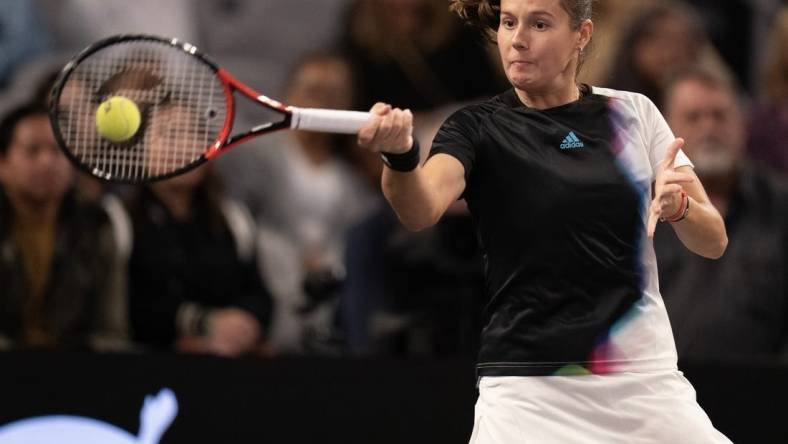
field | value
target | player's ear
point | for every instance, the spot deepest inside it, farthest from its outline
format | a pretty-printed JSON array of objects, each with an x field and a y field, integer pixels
[{"x": 585, "y": 32}]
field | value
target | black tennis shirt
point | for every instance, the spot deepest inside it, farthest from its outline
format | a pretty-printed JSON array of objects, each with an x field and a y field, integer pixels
[{"x": 559, "y": 217}]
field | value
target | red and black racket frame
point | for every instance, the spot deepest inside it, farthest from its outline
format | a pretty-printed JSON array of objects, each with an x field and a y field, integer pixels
[{"x": 221, "y": 144}]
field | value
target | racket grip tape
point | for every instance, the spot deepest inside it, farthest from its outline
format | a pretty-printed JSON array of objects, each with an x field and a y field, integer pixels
[{"x": 328, "y": 120}]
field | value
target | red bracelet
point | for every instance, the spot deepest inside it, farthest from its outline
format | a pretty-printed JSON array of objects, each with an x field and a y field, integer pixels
[{"x": 682, "y": 212}]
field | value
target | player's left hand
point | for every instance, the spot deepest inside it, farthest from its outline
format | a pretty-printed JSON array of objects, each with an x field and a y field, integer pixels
[{"x": 667, "y": 187}]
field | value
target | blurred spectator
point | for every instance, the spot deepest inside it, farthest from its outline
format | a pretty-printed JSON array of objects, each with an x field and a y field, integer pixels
[
  {"x": 304, "y": 195},
  {"x": 60, "y": 286},
  {"x": 22, "y": 36},
  {"x": 44, "y": 34},
  {"x": 193, "y": 276},
  {"x": 611, "y": 19},
  {"x": 74, "y": 24},
  {"x": 363, "y": 294},
  {"x": 261, "y": 41},
  {"x": 414, "y": 54},
  {"x": 87, "y": 186},
  {"x": 24, "y": 44},
  {"x": 411, "y": 294},
  {"x": 732, "y": 27},
  {"x": 662, "y": 40},
  {"x": 737, "y": 306},
  {"x": 768, "y": 141}
]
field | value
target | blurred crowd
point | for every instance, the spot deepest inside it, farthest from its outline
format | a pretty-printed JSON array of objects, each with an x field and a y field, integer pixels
[{"x": 285, "y": 246}]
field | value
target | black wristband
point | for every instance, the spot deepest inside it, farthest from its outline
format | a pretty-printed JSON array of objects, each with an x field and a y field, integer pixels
[{"x": 403, "y": 162}]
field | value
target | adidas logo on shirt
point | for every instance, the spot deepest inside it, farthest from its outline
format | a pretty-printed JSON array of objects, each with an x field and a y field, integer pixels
[{"x": 571, "y": 141}]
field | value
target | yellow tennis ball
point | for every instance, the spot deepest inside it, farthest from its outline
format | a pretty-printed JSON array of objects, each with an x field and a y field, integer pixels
[{"x": 118, "y": 119}]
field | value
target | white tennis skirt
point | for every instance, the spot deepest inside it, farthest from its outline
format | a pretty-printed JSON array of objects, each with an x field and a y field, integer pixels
[{"x": 632, "y": 408}]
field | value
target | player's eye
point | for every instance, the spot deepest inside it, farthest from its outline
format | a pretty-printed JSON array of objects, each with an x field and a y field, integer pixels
[
  {"x": 507, "y": 23},
  {"x": 540, "y": 25}
]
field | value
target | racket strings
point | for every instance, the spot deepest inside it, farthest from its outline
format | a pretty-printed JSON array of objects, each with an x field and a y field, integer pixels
[{"x": 181, "y": 101}]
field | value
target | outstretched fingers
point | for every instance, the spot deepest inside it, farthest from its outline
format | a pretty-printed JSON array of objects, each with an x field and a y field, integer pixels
[
  {"x": 675, "y": 177},
  {"x": 672, "y": 152}
]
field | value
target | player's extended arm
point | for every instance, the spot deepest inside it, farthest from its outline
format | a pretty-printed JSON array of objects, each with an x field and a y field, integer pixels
[
  {"x": 703, "y": 230},
  {"x": 419, "y": 197}
]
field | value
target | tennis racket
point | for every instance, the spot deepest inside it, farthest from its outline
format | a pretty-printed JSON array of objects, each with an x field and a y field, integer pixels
[{"x": 184, "y": 106}]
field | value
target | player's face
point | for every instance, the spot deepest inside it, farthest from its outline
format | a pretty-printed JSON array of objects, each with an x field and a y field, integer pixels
[
  {"x": 538, "y": 46},
  {"x": 711, "y": 122},
  {"x": 34, "y": 169}
]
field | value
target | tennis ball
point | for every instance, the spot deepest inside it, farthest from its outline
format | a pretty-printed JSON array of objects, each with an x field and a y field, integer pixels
[{"x": 118, "y": 119}]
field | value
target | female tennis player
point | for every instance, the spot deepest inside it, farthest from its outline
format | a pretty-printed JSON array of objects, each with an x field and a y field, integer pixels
[{"x": 565, "y": 183}]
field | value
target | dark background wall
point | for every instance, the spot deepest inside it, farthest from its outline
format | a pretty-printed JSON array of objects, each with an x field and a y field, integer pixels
[{"x": 324, "y": 400}]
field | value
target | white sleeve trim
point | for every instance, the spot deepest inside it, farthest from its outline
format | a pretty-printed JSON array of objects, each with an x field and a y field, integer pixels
[{"x": 655, "y": 132}]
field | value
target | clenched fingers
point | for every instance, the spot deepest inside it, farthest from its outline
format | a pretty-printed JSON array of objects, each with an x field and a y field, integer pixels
[{"x": 389, "y": 130}]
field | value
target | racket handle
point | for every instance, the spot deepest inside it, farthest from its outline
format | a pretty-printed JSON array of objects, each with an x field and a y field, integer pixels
[{"x": 328, "y": 120}]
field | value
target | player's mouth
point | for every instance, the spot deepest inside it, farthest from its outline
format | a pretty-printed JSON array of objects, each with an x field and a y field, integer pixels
[{"x": 521, "y": 63}]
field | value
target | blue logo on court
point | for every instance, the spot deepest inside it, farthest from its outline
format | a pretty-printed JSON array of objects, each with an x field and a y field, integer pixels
[
  {"x": 571, "y": 141},
  {"x": 158, "y": 412}
]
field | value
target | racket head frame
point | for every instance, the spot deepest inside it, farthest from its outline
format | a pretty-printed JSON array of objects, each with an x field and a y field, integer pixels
[{"x": 224, "y": 141}]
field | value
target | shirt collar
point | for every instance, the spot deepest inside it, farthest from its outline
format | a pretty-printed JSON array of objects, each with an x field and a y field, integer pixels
[{"x": 510, "y": 98}]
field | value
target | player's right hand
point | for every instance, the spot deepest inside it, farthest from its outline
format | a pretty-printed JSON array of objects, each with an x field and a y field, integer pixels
[{"x": 389, "y": 130}]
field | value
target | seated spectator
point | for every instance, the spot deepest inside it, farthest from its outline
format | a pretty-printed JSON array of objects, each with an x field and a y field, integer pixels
[
  {"x": 611, "y": 19},
  {"x": 410, "y": 294},
  {"x": 74, "y": 24},
  {"x": 662, "y": 40},
  {"x": 193, "y": 278},
  {"x": 737, "y": 306},
  {"x": 247, "y": 37},
  {"x": 304, "y": 195},
  {"x": 60, "y": 286},
  {"x": 415, "y": 54},
  {"x": 23, "y": 38},
  {"x": 769, "y": 121}
]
